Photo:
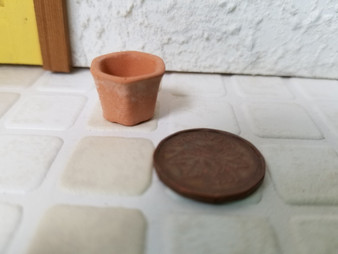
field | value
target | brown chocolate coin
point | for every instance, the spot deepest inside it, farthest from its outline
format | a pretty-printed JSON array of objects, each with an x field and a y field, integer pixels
[{"x": 209, "y": 165}]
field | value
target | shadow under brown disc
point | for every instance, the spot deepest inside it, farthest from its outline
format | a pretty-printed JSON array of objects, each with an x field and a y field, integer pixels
[{"x": 209, "y": 165}]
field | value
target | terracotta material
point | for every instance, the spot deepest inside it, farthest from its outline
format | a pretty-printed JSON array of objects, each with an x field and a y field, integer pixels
[
  {"x": 209, "y": 165},
  {"x": 127, "y": 83}
]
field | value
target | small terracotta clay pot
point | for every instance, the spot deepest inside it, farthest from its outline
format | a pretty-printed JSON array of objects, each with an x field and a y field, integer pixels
[{"x": 127, "y": 83}]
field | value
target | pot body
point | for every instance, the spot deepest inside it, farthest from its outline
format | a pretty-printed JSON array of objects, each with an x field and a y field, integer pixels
[{"x": 128, "y": 83}]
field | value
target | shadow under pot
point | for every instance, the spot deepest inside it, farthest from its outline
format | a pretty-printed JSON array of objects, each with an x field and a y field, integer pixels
[{"x": 127, "y": 83}]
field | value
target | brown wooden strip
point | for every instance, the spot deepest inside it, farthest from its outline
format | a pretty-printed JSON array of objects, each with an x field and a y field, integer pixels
[{"x": 51, "y": 18}]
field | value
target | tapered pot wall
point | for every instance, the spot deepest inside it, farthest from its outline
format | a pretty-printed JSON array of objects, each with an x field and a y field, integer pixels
[{"x": 127, "y": 84}]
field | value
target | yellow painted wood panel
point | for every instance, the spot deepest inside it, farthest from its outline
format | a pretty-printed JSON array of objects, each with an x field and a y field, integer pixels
[{"x": 19, "y": 41}]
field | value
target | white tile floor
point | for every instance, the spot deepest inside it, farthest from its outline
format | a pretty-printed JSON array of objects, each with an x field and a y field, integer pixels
[{"x": 58, "y": 157}]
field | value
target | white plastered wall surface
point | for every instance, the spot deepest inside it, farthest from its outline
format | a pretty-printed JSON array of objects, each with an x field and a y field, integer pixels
[{"x": 265, "y": 37}]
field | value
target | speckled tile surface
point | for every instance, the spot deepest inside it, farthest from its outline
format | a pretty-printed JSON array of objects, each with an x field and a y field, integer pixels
[
  {"x": 281, "y": 120},
  {"x": 9, "y": 219},
  {"x": 52, "y": 111},
  {"x": 25, "y": 160},
  {"x": 210, "y": 234},
  {"x": 110, "y": 165},
  {"x": 80, "y": 229},
  {"x": 190, "y": 112},
  {"x": 6, "y": 101},
  {"x": 304, "y": 174},
  {"x": 315, "y": 234},
  {"x": 63, "y": 168}
]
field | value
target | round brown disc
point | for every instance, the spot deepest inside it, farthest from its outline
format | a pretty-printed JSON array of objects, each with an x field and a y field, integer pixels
[{"x": 209, "y": 165}]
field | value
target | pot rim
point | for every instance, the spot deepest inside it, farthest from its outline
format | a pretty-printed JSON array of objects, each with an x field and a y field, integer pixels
[{"x": 96, "y": 70}]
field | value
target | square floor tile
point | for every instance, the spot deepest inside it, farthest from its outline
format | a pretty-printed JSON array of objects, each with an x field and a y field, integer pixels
[
  {"x": 79, "y": 80},
  {"x": 264, "y": 87},
  {"x": 317, "y": 88},
  {"x": 190, "y": 112},
  {"x": 87, "y": 230},
  {"x": 6, "y": 101},
  {"x": 218, "y": 235},
  {"x": 9, "y": 220},
  {"x": 304, "y": 174},
  {"x": 315, "y": 235},
  {"x": 281, "y": 120},
  {"x": 110, "y": 165},
  {"x": 18, "y": 76},
  {"x": 25, "y": 160},
  {"x": 97, "y": 122},
  {"x": 329, "y": 112},
  {"x": 50, "y": 112},
  {"x": 182, "y": 84}
]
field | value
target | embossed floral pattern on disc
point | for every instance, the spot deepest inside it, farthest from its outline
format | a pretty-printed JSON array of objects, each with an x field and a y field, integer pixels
[{"x": 209, "y": 165}]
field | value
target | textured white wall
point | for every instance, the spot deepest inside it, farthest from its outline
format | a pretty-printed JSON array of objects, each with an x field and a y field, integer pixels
[{"x": 272, "y": 37}]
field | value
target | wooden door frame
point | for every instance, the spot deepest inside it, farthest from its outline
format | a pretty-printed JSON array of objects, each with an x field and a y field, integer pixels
[{"x": 52, "y": 23}]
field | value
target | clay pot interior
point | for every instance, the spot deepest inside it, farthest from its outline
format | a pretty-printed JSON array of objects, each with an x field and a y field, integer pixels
[{"x": 129, "y": 65}]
